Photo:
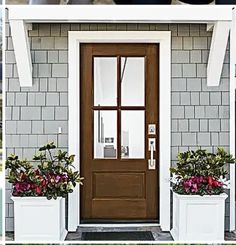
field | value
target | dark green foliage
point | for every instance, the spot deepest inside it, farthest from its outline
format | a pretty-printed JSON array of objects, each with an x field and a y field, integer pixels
[
  {"x": 202, "y": 163},
  {"x": 53, "y": 177}
]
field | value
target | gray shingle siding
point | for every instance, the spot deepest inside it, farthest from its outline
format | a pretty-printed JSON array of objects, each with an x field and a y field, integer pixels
[{"x": 200, "y": 114}]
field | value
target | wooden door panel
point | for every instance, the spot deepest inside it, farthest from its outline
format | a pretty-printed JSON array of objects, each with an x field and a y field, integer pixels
[
  {"x": 118, "y": 185},
  {"x": 119, "y": 209},
  {"x": 118, "y": 188}
]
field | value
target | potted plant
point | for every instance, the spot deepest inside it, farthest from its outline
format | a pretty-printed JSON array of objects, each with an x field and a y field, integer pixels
[
  {"x": 39, "y": 193},
  {"x": 198, "y": 184}
]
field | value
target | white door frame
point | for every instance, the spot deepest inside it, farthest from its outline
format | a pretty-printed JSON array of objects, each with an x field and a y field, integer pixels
[{"x": 164, "y": 40}]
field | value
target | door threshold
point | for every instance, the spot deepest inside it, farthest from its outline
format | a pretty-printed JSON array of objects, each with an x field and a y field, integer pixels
[
  {"x": 114, "y": 225},
  {"x": 118, "y": 221}
]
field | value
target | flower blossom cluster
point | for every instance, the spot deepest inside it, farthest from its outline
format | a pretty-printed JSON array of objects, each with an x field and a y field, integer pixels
[
  {"x": 199, "y": 185},
  {"x": 37, "y": 183}
]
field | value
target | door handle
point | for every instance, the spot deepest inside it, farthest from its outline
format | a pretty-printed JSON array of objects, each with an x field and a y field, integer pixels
[{"x": 152, "y": 148}]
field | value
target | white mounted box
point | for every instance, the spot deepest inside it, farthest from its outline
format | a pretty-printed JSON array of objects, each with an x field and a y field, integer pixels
[
  {"x": 198, "y": 218},
  {"x": 38, "y": 219}
]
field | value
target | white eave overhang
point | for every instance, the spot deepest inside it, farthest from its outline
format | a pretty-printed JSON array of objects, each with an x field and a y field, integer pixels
[{"x": 218, "y": 17}]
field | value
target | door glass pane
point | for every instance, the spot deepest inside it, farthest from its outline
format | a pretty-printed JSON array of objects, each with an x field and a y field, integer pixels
[
  {"x": 105, "y": 77},
  {"x": 105, "y": 134},
  {"x": 132, "y": 81},
  {"x": 133, "y": 134}
]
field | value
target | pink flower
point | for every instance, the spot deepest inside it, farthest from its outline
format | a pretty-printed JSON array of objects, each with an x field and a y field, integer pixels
[
  {"x": 38, "y": 190},
  {"x": 17, "y": 187},
  {"x": 57, "y": 179},
  {"x": 21, "y": 187},
  {"x": 194, "y": 188}
]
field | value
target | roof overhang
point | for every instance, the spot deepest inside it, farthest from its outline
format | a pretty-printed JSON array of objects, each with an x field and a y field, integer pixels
[
  {"x": 220, "y": 17},
  {"x": 119, "y": 13}
]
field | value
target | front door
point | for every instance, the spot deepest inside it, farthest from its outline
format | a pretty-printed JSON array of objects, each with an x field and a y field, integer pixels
[{"x": 119, "y": 132}]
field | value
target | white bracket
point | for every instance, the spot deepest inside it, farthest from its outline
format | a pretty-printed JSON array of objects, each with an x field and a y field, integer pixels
[
  {"x": 19, "y": 32},
  {"x": 217, "y": 52}
]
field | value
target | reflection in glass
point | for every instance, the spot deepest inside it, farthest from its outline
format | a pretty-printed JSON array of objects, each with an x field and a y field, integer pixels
[
  {"x": 105, "y": 134},
  {"x": 132, "y": 81},
  {"x": 105, "y": 81},
  {"x": 132, "y": 134}
]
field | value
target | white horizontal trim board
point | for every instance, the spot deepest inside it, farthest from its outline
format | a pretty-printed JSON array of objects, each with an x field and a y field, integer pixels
[
  {"x": 164, "y": 40},
  {"x": 104, "y": 13}
]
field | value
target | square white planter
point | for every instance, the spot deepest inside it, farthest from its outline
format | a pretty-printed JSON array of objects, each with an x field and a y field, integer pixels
[
  {"x": 37, "y": 219},
  {"x": 198, "y": 218}
]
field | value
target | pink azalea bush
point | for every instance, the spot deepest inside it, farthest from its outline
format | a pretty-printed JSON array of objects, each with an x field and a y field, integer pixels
[
  {"x": 201, "y": 173},
  {"x": 52, "y": 177}
]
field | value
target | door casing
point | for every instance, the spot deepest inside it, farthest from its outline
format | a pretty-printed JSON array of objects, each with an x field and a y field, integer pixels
[{"x": 164, "y": 40}]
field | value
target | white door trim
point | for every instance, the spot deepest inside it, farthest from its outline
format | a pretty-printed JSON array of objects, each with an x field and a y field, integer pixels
[{"x": 164, "y": 40}]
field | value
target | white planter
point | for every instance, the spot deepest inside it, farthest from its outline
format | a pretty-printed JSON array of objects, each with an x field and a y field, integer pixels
[
  {"x": 198, "y": 218},
  {"x": 37, "y": 219}
]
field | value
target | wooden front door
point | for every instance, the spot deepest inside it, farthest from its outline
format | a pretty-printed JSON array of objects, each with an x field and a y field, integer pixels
[{"x": 119, "y": 131}]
